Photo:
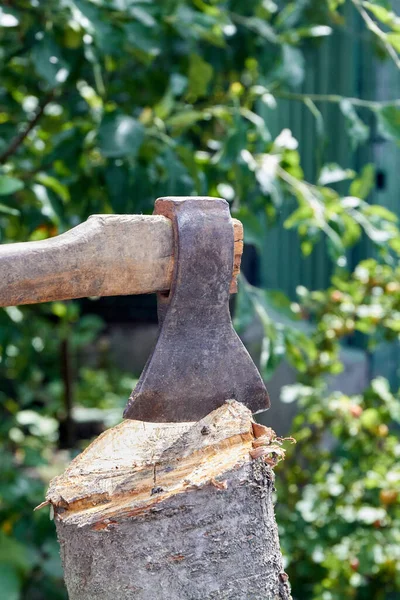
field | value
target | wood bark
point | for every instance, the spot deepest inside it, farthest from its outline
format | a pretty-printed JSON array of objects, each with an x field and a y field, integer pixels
[
  {"x": 172, "y": 511},
  {"x": 108, "y": 255}
]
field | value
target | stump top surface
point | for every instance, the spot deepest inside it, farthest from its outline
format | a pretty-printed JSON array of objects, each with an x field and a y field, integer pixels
[{"x": 135, "y": 465}]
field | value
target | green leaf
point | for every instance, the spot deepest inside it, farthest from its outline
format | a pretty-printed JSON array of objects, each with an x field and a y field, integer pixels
[
  {"x": 380, "y": 211},
  {"x": 9, "y": 185},
  {"x": 7, "y": 210},
  {"x": 177, "y": 178},
  {"x": 358, "y": 131},
  {"x": 290, "y": 14},
  {"x": 261, "y": 27},
  {"x": 301, "y": 215},
  {"x": 49, "y": 62},
  {"x": 394, "y": 40},
  {"x": 177, "y": 85},
  {"x": 232, "y": 145},
  {"x": 185, "y": 119},
  {"x": 379, "y": 12},
  {"x": 395, "y": 244},
  {"x": 200, "y": 74},
  {"x": 54, "y": 184},
  {"x": 10, "y": 583},
  {"x": 389, "y": 122},
  {"x": 307, "y": 246},
  {"x": 107, "y": 36},
  {"x": 143, "y": 16},
  {"x": 352, "y": 230},
  {"x": 280, "y": 302},
  {"x": 384, "y": 15},
  {"x": 120, "y": 135},
  {"x": 14, "y": 554},
  {"x": 381, "y": 387},
  {"x": 259, "y": 123},
  {"x": 138, "y": 36},
  {"x": 50, "y": 205},
  {"x": 365, "y": 182},
  {"x": 194, "y": 25}
]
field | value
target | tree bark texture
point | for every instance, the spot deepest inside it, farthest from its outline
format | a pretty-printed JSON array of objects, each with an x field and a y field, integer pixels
[{"x": 172, "y": 511}]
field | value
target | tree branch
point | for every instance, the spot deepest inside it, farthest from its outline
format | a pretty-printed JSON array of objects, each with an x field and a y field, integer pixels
[
  {"x": 335, "y": 99},
  {"x": 17, "y": 141},
  {"x": 372, "y": 26}
]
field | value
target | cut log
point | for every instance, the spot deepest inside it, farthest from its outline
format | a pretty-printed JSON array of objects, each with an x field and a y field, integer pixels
[
  {"x": 172, "y": 511},
  {"x": 108, "y": 255}
]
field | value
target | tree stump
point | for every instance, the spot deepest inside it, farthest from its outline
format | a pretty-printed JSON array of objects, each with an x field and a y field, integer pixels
[{"x": 172, "y": 511}]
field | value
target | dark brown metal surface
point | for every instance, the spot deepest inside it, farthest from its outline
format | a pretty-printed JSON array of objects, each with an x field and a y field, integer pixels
[{"x": 199, "y": 361}]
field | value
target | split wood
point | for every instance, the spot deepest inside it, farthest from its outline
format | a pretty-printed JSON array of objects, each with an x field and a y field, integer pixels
[{"x": 172, "y": 512}]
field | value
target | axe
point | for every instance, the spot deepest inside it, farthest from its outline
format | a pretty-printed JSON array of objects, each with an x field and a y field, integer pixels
[{"x": 187, "y": 253}]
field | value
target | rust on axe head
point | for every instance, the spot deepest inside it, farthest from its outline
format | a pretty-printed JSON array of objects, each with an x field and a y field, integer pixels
[{"x": 199, "y": 361}]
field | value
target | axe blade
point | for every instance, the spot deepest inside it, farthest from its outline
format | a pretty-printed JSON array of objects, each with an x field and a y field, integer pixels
[{"x": 199, "y": 361}]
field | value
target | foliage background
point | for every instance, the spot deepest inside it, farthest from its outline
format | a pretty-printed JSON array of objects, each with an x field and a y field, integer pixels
[{"x": 106, "y": 105}]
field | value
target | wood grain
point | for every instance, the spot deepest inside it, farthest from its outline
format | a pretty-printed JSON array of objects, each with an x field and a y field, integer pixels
[
  {"x": 108, "y": 255},
  {"x": 171, "y": 512}
]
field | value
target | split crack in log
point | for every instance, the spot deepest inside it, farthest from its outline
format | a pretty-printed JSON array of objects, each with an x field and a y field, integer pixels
[
  {"x": 171, "y": 511},
  {"x": 181, "y": 457}
]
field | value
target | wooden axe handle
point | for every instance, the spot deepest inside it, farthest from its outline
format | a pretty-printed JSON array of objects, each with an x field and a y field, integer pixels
[{"x": 107, "y": 255}]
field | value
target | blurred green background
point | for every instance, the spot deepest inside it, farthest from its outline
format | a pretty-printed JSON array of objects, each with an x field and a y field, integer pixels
[{"x": 290, "y": 111}]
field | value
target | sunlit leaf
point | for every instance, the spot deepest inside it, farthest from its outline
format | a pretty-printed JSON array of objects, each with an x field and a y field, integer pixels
[
  {"x": 333, "y": 173},
  {"x": 50, "y": 208},
  {"x": 364, "y": 183},
  {"x": 200, "y": 74},
  {"x": 380, "y": 211},
  {"x": 185, "y": 118},
  {"x": 383, "y": 14},
  {"x": 394, "y": 40},
  {"x": 54, "y": 184}
]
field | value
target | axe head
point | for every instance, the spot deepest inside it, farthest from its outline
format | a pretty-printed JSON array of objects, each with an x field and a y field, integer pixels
[{"x": 199, "y": 361}]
